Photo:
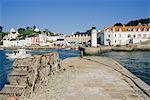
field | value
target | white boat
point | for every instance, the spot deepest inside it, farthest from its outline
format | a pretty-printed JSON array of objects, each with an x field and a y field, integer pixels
[{"x": 20, "y": 53}]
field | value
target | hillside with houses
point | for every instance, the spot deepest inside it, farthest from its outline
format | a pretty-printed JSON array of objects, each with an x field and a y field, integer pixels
[
  {"x": 134, "y": 32},
  {"x": 32, "y": 36}
]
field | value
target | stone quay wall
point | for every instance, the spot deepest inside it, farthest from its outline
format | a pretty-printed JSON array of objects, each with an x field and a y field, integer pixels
[
  {"x": 28, "y": 74},
  {"x": 129, "y": 48}
]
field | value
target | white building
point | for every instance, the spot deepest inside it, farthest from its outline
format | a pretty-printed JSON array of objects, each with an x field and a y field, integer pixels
[
  {"x": 42, "y": 39},
  {"x": 12, "y": 34},
  {"x": 14, "y": 43},
  {"x": 28, "y": 41},
  {"x": 78, "y": 38},
  {"x": 54, "y": 38},
  {"x": 57, "y": 40},
  {"x": 36, "y": 29},
  {"x": 124, "y": 35}
]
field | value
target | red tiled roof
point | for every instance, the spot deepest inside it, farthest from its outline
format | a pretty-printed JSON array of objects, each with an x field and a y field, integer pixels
[{"x": 125, "y": 28}]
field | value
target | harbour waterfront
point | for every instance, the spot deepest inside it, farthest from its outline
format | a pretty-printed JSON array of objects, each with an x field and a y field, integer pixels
[
  {"x": 137, "y": 62},
  {"x": 6, "y": 64}
]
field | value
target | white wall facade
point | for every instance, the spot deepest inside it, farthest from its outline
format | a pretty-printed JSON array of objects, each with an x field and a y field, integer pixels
[
  {"x": 78, "y": 38},
  {"x": 42, "y": 39},
  {"x": 111, "y": 37},
  {"x": 14, "y": 43},
  {"x": 53, "y": 38},
  {"x": 28, "y": 41}
]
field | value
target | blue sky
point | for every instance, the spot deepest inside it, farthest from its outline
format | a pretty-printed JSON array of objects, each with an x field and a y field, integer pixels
[{"x": 68, "y": 16}]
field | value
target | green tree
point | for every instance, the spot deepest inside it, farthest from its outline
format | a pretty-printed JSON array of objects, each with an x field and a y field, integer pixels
[
  {"x": 118, "y": 24},
  {"x": 1, "y": 28},
  {"x": 34, "y": 27},
  {"x": 23, "y": 32},
  {"x": 145, "y": 21}
]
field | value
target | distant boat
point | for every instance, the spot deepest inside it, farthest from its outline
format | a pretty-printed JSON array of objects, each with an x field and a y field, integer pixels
[
  {"x": 67, "y": 48},
  {"x": 1, "y": 49},
  {"x": 20, "y": 53}
]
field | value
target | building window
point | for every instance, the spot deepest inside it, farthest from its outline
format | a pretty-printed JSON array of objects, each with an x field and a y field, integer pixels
[
  {"x": 139, "y": 35},
  {"x": 134, "y": 35},
  {"x": 115, "y": 41},
  {"x": 120, "y": 41},
  {"x": 129, "y": 29},
  {"x": 129, "y": 35},
  {"x": 108, "y": 35},
  {"x": 115, "y": 35},
  {"x": 144, "y": 35},
  {"x": 138, "y": 29},
  {"x": 134, "y": 29},
  {"x": 120, "y": 29},
  {"x": 145, "y": 29}
]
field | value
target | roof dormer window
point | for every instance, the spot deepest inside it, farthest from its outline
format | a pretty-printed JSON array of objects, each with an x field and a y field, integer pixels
[
  {"x": 145, "y": 29},
  {"x": 142, "y": 29},
  {"x": 120, "y": 29},
  {"x": 139, "y": 29},
  {"x": 134, "y": 29}
]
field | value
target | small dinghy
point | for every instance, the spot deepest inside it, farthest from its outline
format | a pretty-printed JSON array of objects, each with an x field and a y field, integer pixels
[{"x": 20, "y": 53}]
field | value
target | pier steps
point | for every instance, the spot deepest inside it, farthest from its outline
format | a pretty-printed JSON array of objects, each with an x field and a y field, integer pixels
[
  {"x": 11, "y": 91},
  {"x": 27, "y": 72},
  {"x": 17, "y": 77}
]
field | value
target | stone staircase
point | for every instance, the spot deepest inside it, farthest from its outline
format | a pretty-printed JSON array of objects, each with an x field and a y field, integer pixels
[
  {"x": 26, "y": 71},
  {"x": 17, "y": 79}
]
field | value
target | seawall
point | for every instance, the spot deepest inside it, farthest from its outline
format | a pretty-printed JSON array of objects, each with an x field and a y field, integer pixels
[
  {"x": 40, "y": 47},
  {"x": 101, "y": 49}
]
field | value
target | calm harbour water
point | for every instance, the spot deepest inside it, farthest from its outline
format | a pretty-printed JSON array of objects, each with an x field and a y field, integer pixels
[
  {"x": 6, "y": 64},
  {"x": 137, "y": 62}
]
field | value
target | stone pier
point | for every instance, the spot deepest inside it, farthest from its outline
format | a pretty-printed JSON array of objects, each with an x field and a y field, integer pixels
[
  {"x": 92, "y": 78},
  {"x": 89, "y": 78}
]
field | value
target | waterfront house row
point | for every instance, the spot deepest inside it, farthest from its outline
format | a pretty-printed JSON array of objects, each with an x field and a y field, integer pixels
[
  {"x": 12, "y": 39},
  {"x": 38, "y": 39},
  {"x": 124, "y": 35}
]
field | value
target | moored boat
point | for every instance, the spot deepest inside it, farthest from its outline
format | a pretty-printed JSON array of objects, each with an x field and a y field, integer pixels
[{"x": 20, "y": 53}]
